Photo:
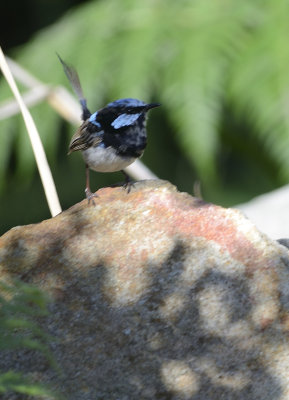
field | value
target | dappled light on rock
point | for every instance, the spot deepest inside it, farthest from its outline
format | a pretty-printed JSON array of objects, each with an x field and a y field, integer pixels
[
  {"x": 180, "y": 379},
  {"x": 155, "y": 295}
]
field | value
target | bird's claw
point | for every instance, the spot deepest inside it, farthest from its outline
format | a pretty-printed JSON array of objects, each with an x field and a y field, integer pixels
[
  {"x": 89, "y": 195},
  {"x": 128, "y": 185}
]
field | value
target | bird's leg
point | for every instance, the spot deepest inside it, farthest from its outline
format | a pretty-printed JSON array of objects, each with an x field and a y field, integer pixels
[
  {"x": 128, "y": 183},
  {"x": 89, "y": 195}
]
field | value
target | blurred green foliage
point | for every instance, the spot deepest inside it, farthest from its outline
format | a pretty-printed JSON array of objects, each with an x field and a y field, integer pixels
[
  {"x": 219, "y": 68},
  {"x": 20, "y": 303}
]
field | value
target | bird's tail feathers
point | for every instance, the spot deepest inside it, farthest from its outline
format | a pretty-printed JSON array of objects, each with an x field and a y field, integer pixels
[{"x": 73, "y": 78}]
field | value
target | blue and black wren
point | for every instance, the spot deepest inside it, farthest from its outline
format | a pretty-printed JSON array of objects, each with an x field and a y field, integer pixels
[{"x": 111, "y": 138}]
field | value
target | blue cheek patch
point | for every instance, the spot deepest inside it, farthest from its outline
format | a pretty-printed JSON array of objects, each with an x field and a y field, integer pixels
[
  {"x": 92, "y": 119},
  {"x": 125, "y": 120}
]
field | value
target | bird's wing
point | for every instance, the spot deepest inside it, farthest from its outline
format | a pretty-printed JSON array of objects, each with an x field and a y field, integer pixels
[{"x": 83, "y": 139}]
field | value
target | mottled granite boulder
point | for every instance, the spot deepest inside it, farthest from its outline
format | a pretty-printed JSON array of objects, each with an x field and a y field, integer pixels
[{"x": 156, "y": 295}]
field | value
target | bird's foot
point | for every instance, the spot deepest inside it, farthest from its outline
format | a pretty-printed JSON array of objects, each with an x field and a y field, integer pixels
[
  {"x": 128, "y": 185},
  {"x": 89, "y": 195}
]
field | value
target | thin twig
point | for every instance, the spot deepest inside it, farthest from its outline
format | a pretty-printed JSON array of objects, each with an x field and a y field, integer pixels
[
  {"x": 30, "y": 98},
  {"x": 42, "y": 164},
  {"x": 139, "y": 171}
]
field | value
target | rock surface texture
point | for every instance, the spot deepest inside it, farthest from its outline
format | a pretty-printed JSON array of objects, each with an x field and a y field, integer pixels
[{"x": 156, "y": 295}]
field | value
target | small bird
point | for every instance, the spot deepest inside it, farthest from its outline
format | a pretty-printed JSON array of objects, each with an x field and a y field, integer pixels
[{"x": 111, "y": 138}]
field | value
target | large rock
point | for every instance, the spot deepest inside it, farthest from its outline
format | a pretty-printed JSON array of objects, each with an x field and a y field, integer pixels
[{"x": 156, "y": 295}]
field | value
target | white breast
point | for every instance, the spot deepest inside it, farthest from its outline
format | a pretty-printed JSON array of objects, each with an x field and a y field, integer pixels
[{"x": 105, "y": 159}]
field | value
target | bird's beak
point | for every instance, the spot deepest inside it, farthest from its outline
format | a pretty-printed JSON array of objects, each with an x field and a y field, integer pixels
[{"x": 151, "y": 105}]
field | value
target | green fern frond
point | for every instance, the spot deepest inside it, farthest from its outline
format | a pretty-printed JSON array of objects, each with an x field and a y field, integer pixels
[
  {"x": 260, "y": 81},
  {"x": 194, "y": 57},
  {"x": 15, "y": 382},
  {"x": 19, "y": 305}
]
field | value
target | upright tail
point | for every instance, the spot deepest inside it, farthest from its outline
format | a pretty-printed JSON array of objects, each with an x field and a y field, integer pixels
[{"x": 73, "y": 78}]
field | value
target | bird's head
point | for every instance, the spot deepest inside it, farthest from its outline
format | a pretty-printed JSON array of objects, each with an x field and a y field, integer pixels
[{"x": 121, "y": 113}]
